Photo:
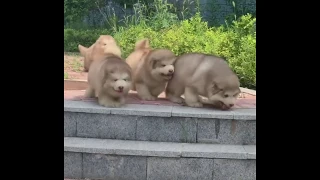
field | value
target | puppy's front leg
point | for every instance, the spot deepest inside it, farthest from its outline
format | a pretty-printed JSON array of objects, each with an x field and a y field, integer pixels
[
  {"x": 105, "y": 100},
  {"x": 175, "y": 99},
  {"x": 121, "y": 101},
  {"x": 205, "y": 100},
  {"x": 192, "y": 98},
  {"x": 144, "y": 93},
  {"x": 90, "y": 93}
]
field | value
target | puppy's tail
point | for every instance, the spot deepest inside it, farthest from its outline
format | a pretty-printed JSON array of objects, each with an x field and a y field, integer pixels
[
  {"x": 142, "y": 44},
  {"x": 82, "y": 49}
]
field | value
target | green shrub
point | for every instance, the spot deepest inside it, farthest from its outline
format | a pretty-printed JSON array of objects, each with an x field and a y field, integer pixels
[
  {"x": 84, "y": 37},
  {"x": 236, "y": 43}
]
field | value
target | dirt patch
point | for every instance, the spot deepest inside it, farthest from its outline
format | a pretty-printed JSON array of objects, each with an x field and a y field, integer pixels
[{"x": 73, "y": 66}]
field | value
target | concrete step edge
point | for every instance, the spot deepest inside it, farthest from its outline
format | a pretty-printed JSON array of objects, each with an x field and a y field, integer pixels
[
  {"x": 159, "y": 111},
  {"x": 158, "y": 149}
]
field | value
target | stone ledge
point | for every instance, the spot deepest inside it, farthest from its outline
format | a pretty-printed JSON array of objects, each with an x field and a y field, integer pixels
[
  {"x": 159, "y": 111},
  {"x": 81, "y": 84},
  {"x": 248, "y": 91},
  {"x": 158, "y": 149}
]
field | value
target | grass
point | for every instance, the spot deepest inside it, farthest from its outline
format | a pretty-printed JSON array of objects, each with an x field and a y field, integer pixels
[{"x": 66, "y": 75}]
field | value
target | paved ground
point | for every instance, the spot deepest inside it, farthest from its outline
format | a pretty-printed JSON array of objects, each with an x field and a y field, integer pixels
[
  {"x": 74, "y": 71},
  {"x": 247, "y": 101}
]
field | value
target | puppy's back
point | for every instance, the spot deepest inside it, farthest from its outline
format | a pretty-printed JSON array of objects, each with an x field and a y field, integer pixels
[
  {"x": 221, "y": 74},
  {"x": 186, "y": 65},
  {"x": 196, "y": 66}
]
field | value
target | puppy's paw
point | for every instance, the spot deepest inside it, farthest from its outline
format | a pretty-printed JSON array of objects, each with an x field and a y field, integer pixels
[
  {"x": 102, "y": 102},
  {"x": 117, "y": 104},
  {"x": 178, "y": 100},
  {"x": 195, "y": 104},
  {"x": 148, "y": 98},
  {"x": 105, "y": 102},
  {"x": 114, "y": 105},
  {"x": 205, "y": 100}
]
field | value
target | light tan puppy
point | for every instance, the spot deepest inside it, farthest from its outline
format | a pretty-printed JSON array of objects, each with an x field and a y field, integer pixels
[
  {"x": 105, "y": 44},
  {"x": 151, "y": 69},
  {"x": 109, "y": 80},
  {"x": 205, "y": 75}
]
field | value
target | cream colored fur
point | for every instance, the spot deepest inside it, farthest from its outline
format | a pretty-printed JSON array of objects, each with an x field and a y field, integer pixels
[
  {"x": 105, "y": 44},
  {"x": 198, "y": 75},
  {"x": 151, "y": 69},
  {"x": 110, "y": 80}
]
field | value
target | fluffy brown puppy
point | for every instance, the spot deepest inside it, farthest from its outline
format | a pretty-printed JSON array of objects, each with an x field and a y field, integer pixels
[
  {"x": 151, "y": 69},
  {"x": 105, "y": 44},
  {"x": 205, "y": 75},
  {"x": 109, "y": 80}
]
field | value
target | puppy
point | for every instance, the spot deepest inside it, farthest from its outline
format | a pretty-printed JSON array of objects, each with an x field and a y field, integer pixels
[
  {"x": 109, "y": 79},
  {"x": 151, "y": 69},
  {"x": 105, "y": 44},
  {"x": 205, "y": 75}
]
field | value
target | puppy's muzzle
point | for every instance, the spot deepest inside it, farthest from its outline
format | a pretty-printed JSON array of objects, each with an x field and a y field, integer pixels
[
  {"x": 225, "y": 106},
  {"x": 170, "y": 73},
  {"x": 120, "y": 89}
]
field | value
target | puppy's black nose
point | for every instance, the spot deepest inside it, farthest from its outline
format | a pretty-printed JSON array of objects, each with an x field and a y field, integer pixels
[
  {"x": 120, "y": 87},
  {"x": 231, "y": 105},
  {"x": 170, "y": 71}
]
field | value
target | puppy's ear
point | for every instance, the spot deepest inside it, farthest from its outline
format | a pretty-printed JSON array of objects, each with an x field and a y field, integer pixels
[
  {"x": 83, "y": 50},
  {"x": 142, "y": 44},
  {"x": 215, "y": 88},
  {"x": 103, "y": 73},
  {"x": 174, "y": 59},
  {"x": 152, "y": 64}
]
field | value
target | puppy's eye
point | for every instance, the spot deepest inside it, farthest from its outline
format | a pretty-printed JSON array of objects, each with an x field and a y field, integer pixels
[
  {"x": 163, "y": 65},
  {"x": 115, "y": 80},
  {"x": 226, "y": 95},
  {"x": 125, "y": 79},
  {"x": 105, "y": 44}
]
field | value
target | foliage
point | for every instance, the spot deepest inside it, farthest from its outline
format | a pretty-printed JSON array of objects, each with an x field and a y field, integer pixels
[
  {"x": 236, "y": 43},
  {"x": 72, "y": 38}
]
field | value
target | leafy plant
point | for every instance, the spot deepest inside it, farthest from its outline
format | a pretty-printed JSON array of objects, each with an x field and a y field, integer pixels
[{"x": 236, "y": 43}]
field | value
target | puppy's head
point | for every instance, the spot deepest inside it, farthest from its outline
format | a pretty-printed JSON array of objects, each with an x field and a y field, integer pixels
[
  {"x": 107, "y": 45},
  {"x": 160, "y": 64},
  {"x": 117, "y": 78},
  {"x": 224, "y": 91}
]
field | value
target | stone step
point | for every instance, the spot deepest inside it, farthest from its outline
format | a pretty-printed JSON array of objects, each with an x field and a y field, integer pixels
[
  {"x": 143, "y": 160},
  {"x": 160, "y": 123}
]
